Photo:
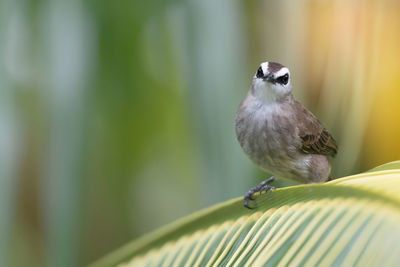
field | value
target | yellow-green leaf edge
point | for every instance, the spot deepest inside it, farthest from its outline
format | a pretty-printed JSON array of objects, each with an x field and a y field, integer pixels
[{"x": 350, "y": 187}]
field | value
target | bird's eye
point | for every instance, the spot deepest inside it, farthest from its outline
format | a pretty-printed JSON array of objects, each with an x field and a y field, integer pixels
[
  {"x": 283, "y": 79},
  {"x": 260, "y": 73}
]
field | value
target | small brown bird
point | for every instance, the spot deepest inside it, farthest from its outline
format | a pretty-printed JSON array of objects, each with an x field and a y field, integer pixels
[{"x": 279, "y": 134}]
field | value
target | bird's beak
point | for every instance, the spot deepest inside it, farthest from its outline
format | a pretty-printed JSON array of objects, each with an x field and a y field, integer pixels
[{"x": 269, "y": 78}]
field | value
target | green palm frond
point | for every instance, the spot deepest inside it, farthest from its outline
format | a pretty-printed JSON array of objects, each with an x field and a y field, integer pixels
[{"x": 352, "y": 221}]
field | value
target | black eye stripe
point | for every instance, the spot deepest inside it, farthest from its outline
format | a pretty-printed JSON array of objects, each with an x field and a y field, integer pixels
[
  {"x": 260, "y": 73},
  {"x": 283, "y": 79}
]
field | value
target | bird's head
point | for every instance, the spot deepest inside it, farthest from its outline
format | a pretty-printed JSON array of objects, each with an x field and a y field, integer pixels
[{"x": 271, "y": 83}]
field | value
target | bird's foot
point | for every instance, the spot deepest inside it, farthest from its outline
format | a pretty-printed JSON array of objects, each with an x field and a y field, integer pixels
[{"x": 263, "y": 186}]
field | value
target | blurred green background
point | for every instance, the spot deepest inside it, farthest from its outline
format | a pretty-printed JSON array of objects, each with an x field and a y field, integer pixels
[{"x": 117, "y": 117}]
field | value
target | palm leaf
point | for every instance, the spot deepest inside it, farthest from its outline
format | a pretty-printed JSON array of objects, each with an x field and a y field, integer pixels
[{"x": 352, "y": 221}]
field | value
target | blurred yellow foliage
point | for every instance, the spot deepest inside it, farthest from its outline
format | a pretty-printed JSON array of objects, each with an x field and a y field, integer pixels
[{"x": 103, "y": 105}]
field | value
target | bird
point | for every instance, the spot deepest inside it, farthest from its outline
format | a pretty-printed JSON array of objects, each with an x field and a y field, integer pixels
[{"x": 279, "y": 134}]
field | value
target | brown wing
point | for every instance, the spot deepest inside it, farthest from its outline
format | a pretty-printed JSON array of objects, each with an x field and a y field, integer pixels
[{"x": 315, "y": 138}]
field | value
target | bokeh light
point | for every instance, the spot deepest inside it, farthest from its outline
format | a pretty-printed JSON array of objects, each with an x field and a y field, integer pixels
[{"x": 118, "y": 118}]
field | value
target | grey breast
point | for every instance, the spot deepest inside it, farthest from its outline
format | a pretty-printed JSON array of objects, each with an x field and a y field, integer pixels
[{"x": 268, "y": 136}]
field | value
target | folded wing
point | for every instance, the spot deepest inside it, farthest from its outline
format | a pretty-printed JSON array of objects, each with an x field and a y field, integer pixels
[{"x": 315, "y": 138}]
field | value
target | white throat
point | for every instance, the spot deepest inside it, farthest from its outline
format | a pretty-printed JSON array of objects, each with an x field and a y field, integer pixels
[{"x": 269, "y": 93}]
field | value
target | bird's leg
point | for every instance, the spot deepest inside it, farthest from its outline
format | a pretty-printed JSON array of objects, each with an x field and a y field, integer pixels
[{"x": 263, "y": 186}]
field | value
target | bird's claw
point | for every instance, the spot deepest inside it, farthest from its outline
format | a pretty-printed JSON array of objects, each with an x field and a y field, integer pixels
[
  {"x": 263, "y": 186},
  {"x": 266, "y": 188}
]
